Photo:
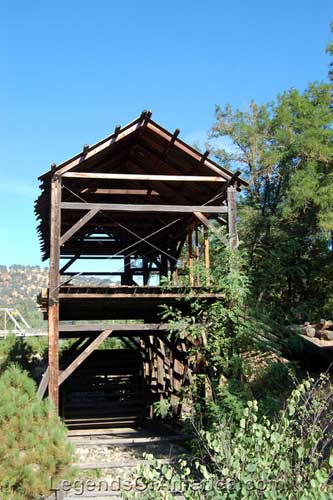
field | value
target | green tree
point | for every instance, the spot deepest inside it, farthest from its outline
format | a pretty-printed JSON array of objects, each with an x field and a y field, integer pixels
[
  {"x": 285, "y": 149},
  {"x": 33, "y": 447},
  {"x": 329, "y": 50}
]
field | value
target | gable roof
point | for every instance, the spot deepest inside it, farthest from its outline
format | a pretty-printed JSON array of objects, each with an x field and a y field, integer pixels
[{"x": 140, "y": 149}]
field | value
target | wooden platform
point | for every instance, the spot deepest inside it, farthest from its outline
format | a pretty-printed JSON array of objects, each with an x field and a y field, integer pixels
[{"x": 122, "y": 302}]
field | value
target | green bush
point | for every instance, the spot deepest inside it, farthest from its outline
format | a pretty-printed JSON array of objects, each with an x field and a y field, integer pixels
[
  {"x": 33, "y": 448},
  {"x": 288, "y": 458}
]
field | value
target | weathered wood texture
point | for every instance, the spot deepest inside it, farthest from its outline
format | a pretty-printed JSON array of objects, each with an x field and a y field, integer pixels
[
  {"x": 118, "y": 198},
  {"x": 83, "y": 355},
  {"x": 79, "y": 224},
  {"x": 120, "y": 207},
  {"x": 232, "y": 216},
  {"x": 142, "y": 177},
  {"x": 54, "y": 282}
]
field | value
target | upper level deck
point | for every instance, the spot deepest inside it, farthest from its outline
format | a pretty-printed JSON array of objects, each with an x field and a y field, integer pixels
[{"x": 123, "y": 302}]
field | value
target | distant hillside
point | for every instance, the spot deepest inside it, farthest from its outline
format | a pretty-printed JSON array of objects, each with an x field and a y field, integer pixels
[
  {"x": 21, "y": 284},
  {"x": 19, "y": 287}
]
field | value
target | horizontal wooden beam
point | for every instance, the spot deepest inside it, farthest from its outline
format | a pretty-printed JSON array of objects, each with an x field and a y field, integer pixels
[
  {"x": 145, "y": 177},
  {"x": 139, "y": 296},
  {"x": 135, "y": 272},
  {"x": 120, "y": 327},
  {"x": 120, "y": 207}
]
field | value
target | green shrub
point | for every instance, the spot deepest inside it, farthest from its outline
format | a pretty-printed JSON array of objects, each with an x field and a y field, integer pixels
[
  {"x": 288, "y": 458},
  {"x": 33, "y": 448}
]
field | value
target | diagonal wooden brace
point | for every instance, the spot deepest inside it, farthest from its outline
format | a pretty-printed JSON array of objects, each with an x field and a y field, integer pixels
[
  {"x": 83, "y": 356},
  {"x": 80, "y": 223}
]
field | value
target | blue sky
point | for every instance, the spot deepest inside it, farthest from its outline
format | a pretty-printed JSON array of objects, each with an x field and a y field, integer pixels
[{"x": 72, "y": 70}]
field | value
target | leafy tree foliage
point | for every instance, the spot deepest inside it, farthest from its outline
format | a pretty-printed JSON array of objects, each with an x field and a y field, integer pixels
[
  {"x": 329, "y": 50},
  {"x": 285, "y": 149}
]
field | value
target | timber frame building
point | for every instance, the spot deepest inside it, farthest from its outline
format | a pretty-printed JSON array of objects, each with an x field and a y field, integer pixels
[{"x": 140, "y": 195}]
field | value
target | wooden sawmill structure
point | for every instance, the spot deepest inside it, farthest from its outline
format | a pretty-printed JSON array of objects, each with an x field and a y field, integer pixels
[{"x": 137, "y": 198}]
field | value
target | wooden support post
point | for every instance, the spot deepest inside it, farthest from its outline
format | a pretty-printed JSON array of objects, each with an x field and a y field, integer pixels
[
  {"x": 232, "y": 217},
  {"x": 144, "y": 346},
  {"x": 160, "y": 365},
  {"x": 126, "y": 278},
  {"x": 177, "y": 375},
  {"x": 190, "y": 257},
  {"x": 145, "y": 271},
  {"x": 54, "y": 283},
  {"x": 207, "y": 258},
  {"x": 197, "y": 256}
]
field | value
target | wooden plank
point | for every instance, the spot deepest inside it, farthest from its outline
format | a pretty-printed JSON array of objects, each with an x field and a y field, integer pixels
[
  {"x": 130, "y": 192},
  {"x": 121, "y": 207},
  {"x": 207, "y": 256},
  {"x": 145, "y": 177},
  {"x": 232, "y": 217},
  {"x": 80, "y": 223},
  {"x": 200, "y": 216},
  {"x": 75, "y": 350},
  {"x": 43, "y": 384},
  {"x": 160, "y": 364},
  {"x": 130, "y": 327},
  {"x": 161, "y": 296},
  {"x": 54, "y": 282},
  {"x": 190, "y": 257},
  {"x": 45, "y": 379},
  {"x": 82, "y": 356},
  {"x": 197, "y": 256},
  {"x": 135, "y": 272}
]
